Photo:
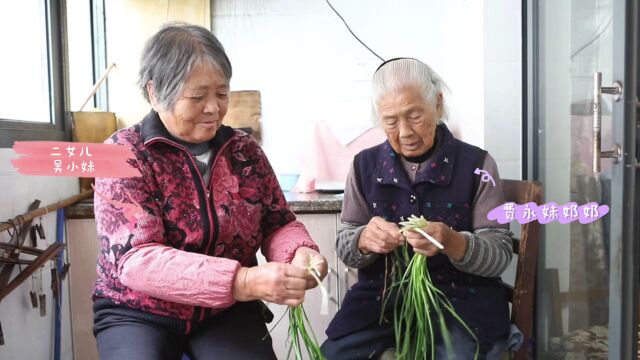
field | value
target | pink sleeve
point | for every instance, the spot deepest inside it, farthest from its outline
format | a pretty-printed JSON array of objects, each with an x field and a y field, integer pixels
[
  {"x": 179, "y": 276},
  {"x": 282, "y": 244},
  {"x": 131, "y": 220}
]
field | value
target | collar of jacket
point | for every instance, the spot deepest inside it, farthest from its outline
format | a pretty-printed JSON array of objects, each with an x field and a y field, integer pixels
[
  {"x": 152, "y": 129},
  {"x": 438, "y": 168}
]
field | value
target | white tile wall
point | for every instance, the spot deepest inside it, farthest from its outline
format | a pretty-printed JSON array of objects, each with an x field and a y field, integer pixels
[{"x": 503, "y": 85}]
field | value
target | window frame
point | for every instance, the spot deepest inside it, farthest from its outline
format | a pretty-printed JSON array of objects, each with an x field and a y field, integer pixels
[{"x": 59, "y": 128}]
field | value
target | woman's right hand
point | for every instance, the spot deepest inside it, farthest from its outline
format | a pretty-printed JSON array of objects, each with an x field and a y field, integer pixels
[
  {"x": 380, "y": 236},
  {"x": 274, "y": 282}
]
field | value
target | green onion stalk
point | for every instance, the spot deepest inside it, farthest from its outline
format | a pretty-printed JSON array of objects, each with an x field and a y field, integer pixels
[
  {"x": 300, "y": 331},
  {"x": 423, "y": 307}
]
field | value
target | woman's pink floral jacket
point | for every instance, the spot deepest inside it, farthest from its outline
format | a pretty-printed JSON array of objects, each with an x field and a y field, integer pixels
[{"x": 169, "y": 244}]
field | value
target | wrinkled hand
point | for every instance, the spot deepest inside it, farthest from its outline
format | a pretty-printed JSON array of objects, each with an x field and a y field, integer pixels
[
  {"x": 279, "y": 283},
  {"x": 380, "y": 236},
  {"x": 455, "y": 245},
  {"x": 304, "y": 257}
]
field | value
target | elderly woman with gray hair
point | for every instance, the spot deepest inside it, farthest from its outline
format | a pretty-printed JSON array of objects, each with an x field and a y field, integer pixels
[
  {"x": 177, "y": 269},
  {"x": 421, "y": 169}
]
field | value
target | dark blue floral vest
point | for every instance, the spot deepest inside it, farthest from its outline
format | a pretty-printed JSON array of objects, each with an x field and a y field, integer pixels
[{"x": 443, "y": 191}]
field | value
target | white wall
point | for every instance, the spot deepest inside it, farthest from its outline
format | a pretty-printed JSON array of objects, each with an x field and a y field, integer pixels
[
  {"x": 503, "y": 92},
  {"x": 503, "y": 85},
  {"x": 26, "y": 334},
  {"x": 310, "y": 69}
]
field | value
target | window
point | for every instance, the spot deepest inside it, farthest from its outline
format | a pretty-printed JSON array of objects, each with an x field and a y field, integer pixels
[{"x": 31, "y": 72}]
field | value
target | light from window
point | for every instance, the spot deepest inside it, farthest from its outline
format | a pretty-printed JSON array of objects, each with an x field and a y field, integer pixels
[{"x": 24, "y": 61}]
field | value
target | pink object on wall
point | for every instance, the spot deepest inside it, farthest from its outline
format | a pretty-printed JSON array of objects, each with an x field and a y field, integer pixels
[{"x": 327, "y": 160}]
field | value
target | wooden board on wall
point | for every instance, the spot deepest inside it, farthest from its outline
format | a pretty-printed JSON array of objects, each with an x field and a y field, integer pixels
[
  {"x": 245, "y": 111},
  {"x": 83, "y": 253},
  {"x": 128, "y": 26}
]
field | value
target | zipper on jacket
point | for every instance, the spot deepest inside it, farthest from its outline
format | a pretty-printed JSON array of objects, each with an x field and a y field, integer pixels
[
  {"x": 214, "y": 216},
  {"x": 203, "y": 193},
  {"x": 216, "y": 225},
  {"x": 205, "y": 211}
]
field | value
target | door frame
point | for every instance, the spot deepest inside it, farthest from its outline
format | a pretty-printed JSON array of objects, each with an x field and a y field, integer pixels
[
  {"x": 625, "y": 238},
  {"x": 623, "y": 293}
]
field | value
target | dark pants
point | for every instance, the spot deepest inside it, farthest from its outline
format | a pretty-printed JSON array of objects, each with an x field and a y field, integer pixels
[
  {"x": 237, "y": 333},
  {"x": 375, "y": 343}
]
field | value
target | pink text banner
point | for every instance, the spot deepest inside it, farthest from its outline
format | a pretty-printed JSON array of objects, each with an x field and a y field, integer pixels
[{"x": 59, "y": 158}]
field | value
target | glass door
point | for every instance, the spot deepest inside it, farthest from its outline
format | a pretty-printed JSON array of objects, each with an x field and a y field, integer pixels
[{"x": 582, "y": 112}]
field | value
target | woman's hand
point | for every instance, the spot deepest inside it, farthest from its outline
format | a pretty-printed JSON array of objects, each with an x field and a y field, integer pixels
[
  {"x": 274, "y": 282},
  {"x": 455, "y": 245},
  {"x": 304, "y": 257},
  {"x": 380, "y": 236}
]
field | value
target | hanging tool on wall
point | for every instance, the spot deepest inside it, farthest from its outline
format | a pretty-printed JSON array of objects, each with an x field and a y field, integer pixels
[
  {"x": 33, "y": 235},
  {"x": 23, "y": 249},
  {"x": 18, "y": 228},
  {"x": 6, "y": 225},
  {"x": 11, "y": 255},
  {"x": 55, "y": 282},
  {"x": 65, "y": 267},
  {"x": 42, "y": 297},
  {"x": 37, "y": 231},
  {"x": 40, "y": 230},
  {"x": 20, "y": 233},
  {"x": 12, "y": 250},
  {"x": 32, "y": 294},
  {"x": 46, "y": 255}
]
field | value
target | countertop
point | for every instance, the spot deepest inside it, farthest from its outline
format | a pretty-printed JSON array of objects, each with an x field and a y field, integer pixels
[
  {"x": 314, "y": 202},
  {"x": 307, "y": 203}
]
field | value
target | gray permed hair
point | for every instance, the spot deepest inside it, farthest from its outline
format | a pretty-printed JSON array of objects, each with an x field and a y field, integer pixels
[
  {"x": 397, "y": 74},
  {"x": 170, "y": 55}
]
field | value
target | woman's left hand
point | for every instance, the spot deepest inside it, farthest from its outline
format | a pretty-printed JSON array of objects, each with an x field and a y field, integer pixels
[
  {"x": 305, "y": 256},
  {"x": 455, "y": 245}
]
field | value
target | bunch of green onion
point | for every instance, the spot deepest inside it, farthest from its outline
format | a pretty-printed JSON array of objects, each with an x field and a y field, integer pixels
[
  {"x": 300, "y": 331},
  {"x": 419, "y": 307},
  {"x": 300, "y": 336}
]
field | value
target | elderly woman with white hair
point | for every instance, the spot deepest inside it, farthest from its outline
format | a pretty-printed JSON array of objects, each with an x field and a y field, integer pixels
[
  {"x": 177, "y": 269},
  {"x": 421, "y": 169}
]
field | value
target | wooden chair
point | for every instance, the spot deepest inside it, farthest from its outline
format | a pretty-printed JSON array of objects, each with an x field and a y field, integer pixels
[{"x": 523, "y": 293}]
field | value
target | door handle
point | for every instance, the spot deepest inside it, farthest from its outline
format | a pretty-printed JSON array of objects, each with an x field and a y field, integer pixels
[
  {"x": 637, "y": 133},
  {"x": 598, "y": 90}
]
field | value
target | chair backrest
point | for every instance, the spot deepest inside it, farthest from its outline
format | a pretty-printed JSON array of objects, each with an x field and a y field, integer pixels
[{"x": 522, "y": 307}]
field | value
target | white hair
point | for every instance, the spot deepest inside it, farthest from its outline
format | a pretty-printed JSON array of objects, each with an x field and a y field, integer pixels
[{"x": 398, "y": 74}]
